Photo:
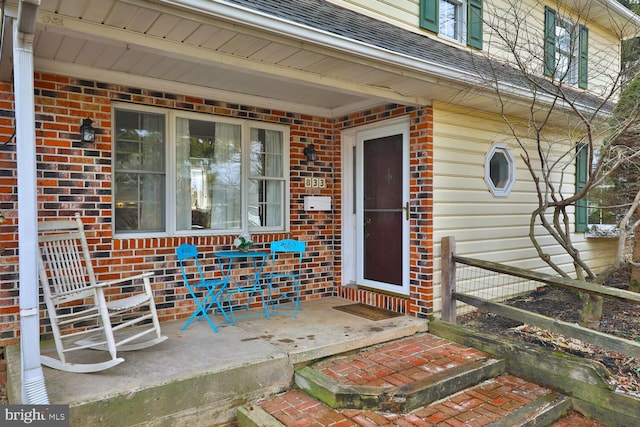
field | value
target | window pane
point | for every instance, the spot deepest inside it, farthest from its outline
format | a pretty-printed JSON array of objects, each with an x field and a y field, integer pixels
[
  {"x": 139, "y": 203},
  {"x": 140, "y": 141},
  {"x": 499, "y": 170},
  {"x": 266, "y": 153},
  {"x": 566, "y": 52},
  {"x": 139, "y": 171},
  {"x": 265, "y": 203},
  {"x": 449, "y": 19},
  {"x": 563, "y": 39},
  {"x": 208, "y": 166},
  {"x": 266, "y": 186}
]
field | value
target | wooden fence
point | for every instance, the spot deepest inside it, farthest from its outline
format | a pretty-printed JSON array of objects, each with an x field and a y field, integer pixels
[{"x": 450, "y": 296}]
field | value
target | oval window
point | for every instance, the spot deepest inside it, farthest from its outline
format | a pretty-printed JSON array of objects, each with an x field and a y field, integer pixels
[{"x": 499, "y": 170}]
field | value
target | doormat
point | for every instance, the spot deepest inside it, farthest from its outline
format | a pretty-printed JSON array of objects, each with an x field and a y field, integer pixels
[{"x": 367, "y": 311}]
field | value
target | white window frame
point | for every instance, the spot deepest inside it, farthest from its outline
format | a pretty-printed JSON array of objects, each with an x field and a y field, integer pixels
[
  {"x": 570, "y": 55},
  {"x": 170, "y": 172},
  {"x": 600, "y": 229},
  {"x": 460, "y": 21},
  {"x": 504, "y": 190}
]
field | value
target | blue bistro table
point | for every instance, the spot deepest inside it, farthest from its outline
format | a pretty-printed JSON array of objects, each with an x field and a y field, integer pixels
[{"x": 249, "y": 284}]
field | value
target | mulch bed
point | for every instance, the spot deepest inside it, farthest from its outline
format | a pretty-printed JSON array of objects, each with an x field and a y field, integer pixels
[{"x": 619, "y": 318}]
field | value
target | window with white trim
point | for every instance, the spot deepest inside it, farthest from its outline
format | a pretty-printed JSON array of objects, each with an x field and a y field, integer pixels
[
  {"x": 459, "y": 20},
  {"x": 566, "y": 50},
  {"x": 499, "y": 170},
  {"x": 595, "y": 214},
  {"x": 189, "y": 173}
]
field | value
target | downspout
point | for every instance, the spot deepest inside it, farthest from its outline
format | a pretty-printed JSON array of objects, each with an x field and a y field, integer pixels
[{"x": 34, "y": 391}]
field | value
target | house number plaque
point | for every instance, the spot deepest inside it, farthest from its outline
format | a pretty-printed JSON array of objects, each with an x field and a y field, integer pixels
[{"x": 315, "y": 183}]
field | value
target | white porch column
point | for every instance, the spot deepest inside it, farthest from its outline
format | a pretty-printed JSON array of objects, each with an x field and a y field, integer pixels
[{"x": 33, "y": 387}]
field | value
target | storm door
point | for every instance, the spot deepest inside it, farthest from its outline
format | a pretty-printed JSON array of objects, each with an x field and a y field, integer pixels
[{"x": 383, "y": 210}]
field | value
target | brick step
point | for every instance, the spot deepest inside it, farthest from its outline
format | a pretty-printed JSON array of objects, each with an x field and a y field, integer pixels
[
  {"x": 504, "y": 399},
  {"x": 398, "y": 376},
  {"x": 403, "y": 398},
  {"x": 541, "y": 412}
]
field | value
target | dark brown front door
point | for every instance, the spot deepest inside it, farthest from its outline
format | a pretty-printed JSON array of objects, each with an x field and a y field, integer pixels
[{"x": 383, "y": 214}]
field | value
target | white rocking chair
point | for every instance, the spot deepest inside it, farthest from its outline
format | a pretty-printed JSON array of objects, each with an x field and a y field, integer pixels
[{"x": 81, "y": 317}]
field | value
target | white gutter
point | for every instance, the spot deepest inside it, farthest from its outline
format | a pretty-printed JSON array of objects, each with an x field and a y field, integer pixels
[{"x": 34, "y": 391}]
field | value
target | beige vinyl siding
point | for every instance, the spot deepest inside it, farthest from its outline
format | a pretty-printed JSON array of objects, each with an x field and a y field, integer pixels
[
  {"x": 402, "y": 13},
  {"x": 604, "y": 60},
  {"x": 487, "y": 227}
]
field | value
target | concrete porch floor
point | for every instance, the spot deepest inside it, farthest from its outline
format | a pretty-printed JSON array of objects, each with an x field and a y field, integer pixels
[{"x": 199, "y": 377}]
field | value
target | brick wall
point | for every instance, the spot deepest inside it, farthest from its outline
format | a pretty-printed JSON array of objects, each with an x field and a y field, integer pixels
[
  {"x": 421, "y": 233},
  {"x": 75, "y": 177}
]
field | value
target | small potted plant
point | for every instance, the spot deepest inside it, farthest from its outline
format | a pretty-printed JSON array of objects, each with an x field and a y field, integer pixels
[{"x": 243, "y": 242}]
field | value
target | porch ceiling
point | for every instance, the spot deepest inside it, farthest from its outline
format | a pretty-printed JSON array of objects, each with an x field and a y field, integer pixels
[
  {"x": 157, "y": 46},
  {"x": 309, "y": 57}
]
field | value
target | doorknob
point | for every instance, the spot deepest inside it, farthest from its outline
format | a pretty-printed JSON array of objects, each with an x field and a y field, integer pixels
[{"x": 406, "y": 210}]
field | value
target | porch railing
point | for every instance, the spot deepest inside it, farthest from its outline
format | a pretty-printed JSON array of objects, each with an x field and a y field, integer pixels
[{"x": 483, "y": 284}]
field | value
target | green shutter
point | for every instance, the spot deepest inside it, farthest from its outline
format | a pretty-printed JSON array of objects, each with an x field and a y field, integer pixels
[
  {"x": 429, "y": 15},
  {"x": 582, "y": 173},
  {"x": 583, "y": 57},
  {"x": 474, "y": 24},
  {"x": 549, "y": 41}
]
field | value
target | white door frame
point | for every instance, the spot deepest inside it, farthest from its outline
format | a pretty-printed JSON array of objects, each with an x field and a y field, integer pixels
[{"x": 352, "y": 140}]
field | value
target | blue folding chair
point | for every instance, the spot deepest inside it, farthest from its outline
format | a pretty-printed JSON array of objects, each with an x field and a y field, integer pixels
[
  {"x": 283, "y": 279},
  {"x": 212, "y": 290}
]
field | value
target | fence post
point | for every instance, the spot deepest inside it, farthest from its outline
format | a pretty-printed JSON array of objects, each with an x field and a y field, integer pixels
[{"x": 448, "y": 272}]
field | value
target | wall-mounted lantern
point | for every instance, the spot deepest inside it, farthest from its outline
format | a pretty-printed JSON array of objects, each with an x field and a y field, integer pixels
[
  {"x": 87, "y": 132},
  {"x": 310, "y": 153}
]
